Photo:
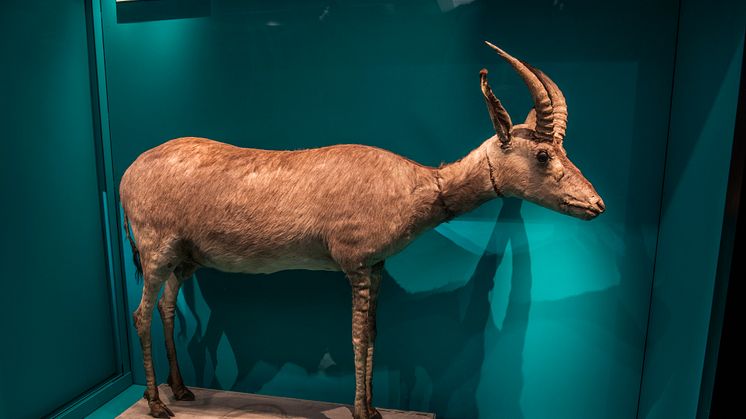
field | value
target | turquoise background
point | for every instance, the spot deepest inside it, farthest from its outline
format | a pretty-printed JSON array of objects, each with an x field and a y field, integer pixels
[{"x": 511, "y": 311}]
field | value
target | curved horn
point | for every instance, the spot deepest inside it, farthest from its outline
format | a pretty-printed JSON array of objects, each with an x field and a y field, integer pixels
[
  {"x": 542, "y": 103},
  {"x": 558, "y": 103}
]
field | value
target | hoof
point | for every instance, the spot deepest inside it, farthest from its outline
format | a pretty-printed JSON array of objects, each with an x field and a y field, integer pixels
[
  {"x": 373, "y": 413},
  {"x": 183, "y": 394},
  {"x": 159, "y": 410},
  {"x": 180, "y": 391}
]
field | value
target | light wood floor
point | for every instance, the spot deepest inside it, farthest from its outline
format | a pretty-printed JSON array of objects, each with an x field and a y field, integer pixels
[{"x": 228, "y": 404}]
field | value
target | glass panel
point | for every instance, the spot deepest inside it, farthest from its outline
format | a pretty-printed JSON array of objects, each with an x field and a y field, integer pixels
[{"x": 55, "y": 304}]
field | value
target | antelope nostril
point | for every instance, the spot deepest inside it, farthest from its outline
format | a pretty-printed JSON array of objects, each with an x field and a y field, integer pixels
[{"x": 599, "y": 203}]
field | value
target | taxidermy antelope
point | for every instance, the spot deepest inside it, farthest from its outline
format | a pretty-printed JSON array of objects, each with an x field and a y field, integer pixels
[{"x": 194, "y": 202}]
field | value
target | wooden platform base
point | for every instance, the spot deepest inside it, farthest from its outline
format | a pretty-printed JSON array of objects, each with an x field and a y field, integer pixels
[{"x": 228, "y": 404}]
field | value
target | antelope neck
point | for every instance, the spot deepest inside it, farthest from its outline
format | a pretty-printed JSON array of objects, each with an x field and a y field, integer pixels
[{"x": 466, "y": 183}]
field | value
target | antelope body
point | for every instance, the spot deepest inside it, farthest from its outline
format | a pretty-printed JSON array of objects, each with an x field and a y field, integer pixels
[{"x": 194, "y": 202}]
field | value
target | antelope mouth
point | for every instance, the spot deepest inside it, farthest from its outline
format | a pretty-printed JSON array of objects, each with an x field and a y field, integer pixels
[{"x": 581, "y": 210}]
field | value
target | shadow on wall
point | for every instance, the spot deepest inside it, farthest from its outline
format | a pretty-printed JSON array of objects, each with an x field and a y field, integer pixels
[{"x": 431, "y": 345}]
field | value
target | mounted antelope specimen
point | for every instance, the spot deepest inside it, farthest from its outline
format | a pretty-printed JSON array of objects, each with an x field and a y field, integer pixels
[{"x": 194, "y": 202}]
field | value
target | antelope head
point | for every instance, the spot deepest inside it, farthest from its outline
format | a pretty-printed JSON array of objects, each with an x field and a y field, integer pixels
[{"x": 531, "y": 155}]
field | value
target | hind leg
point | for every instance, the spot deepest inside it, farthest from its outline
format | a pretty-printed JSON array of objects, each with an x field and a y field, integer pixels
[
  {"x": 142, "y": 317},
  {"x": 166, "y": 307}
]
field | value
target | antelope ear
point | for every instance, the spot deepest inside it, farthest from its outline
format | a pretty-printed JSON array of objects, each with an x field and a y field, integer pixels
[
  {"x": 531, "y": 118},
  {"x": 527, "y": 129},
  {"x": 498, "y": 114}
]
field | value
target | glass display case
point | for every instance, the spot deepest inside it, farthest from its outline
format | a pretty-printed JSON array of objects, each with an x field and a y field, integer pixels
[{"x": 508, "y": 311}]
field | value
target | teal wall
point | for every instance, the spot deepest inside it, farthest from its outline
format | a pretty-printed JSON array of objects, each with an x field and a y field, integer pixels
[
  {"x": 511, "y": 311},
  {"x": 57, "y": 327},
  {"x": 708, "y": 69}
]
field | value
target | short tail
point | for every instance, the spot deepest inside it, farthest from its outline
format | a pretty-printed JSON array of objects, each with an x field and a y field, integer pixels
[{"x": 135, "y": 252}]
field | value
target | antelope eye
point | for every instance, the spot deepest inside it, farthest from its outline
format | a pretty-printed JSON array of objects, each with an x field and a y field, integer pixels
[{"x": 542, "y": 157}]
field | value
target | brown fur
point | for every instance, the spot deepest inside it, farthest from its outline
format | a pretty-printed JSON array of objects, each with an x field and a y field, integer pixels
[
  {"x": 195, "y": 202},
  {"x": 247, "y": 210}
]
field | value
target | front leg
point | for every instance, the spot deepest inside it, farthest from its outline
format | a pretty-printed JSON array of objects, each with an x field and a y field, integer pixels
[
  {"x": 375, "y": 285},
  {"x": 360, "y": 281}
]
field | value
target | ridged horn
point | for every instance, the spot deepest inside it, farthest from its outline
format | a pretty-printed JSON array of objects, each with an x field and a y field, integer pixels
[
  {"x": 544, "y": 130},
  {"x": 559, "y": 105}
]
